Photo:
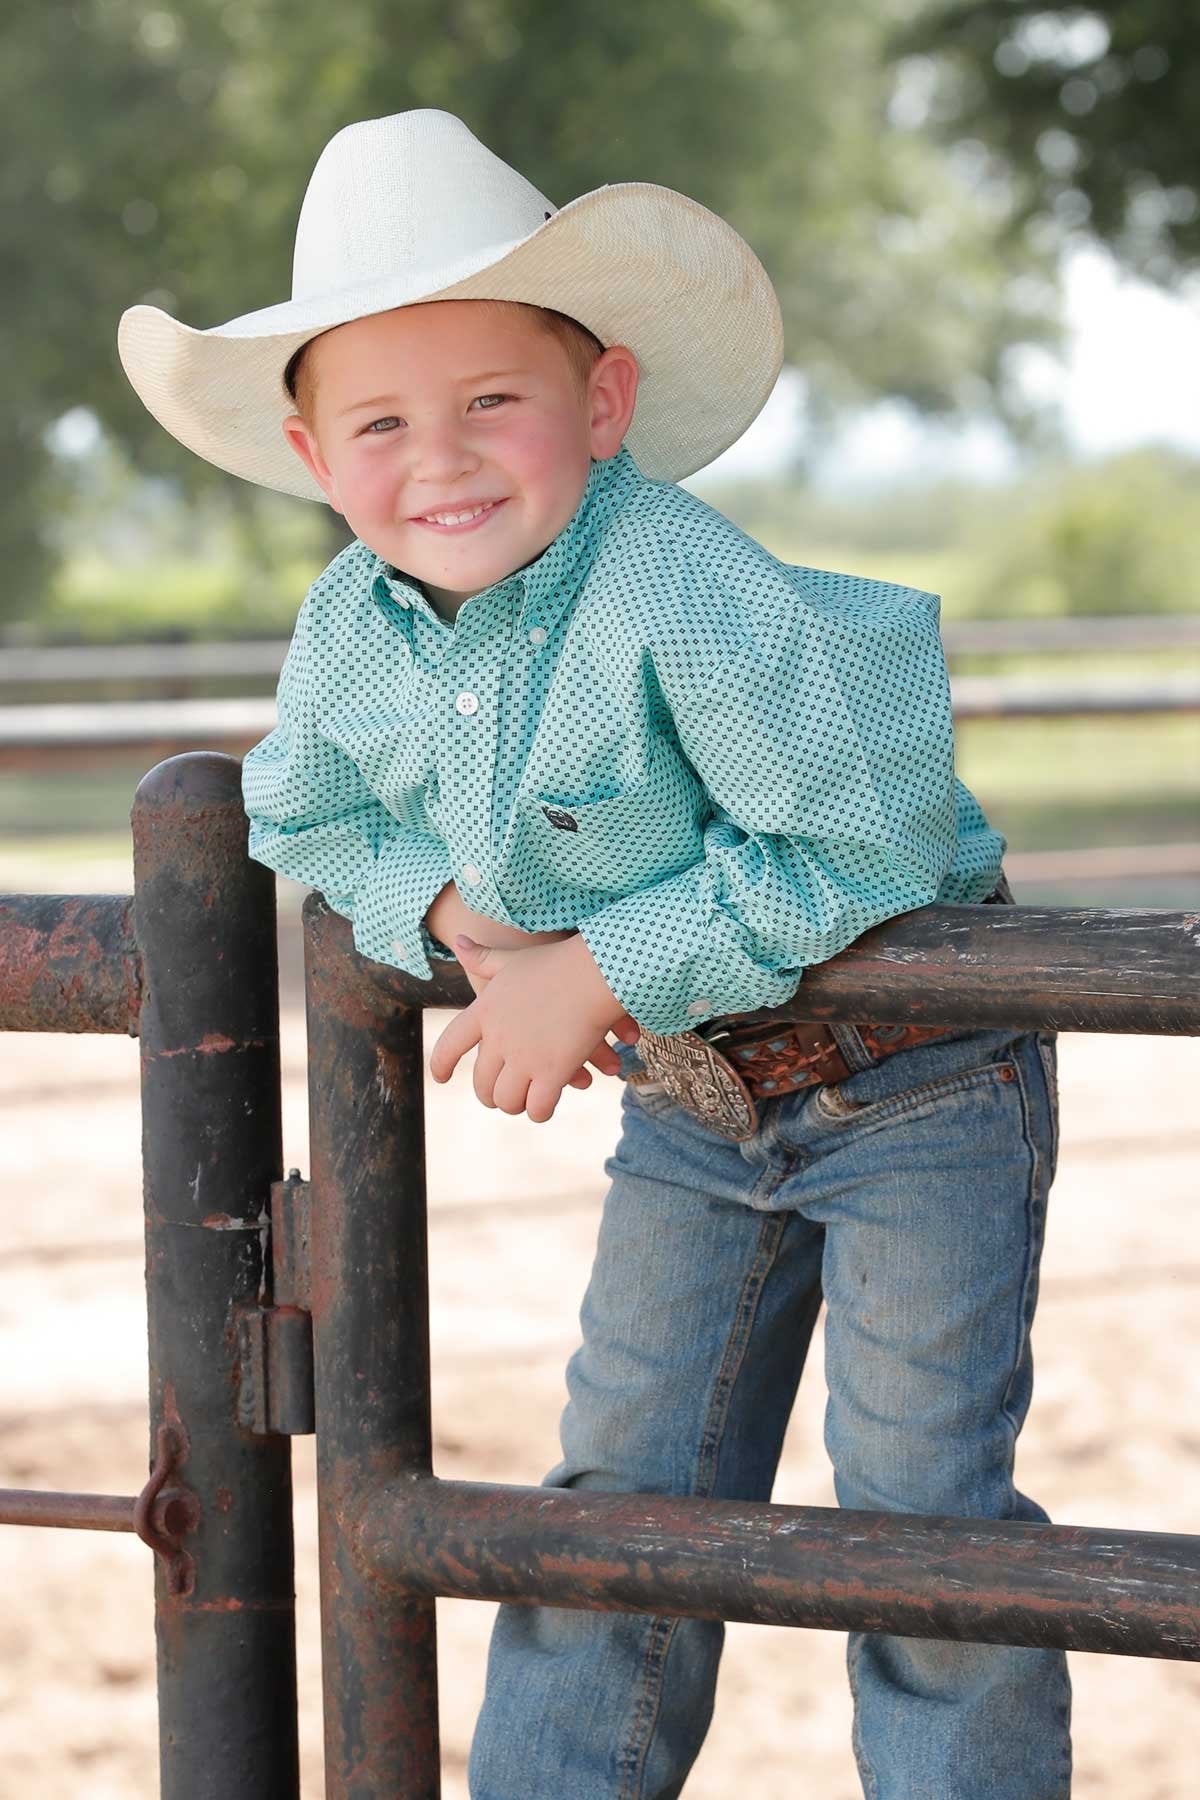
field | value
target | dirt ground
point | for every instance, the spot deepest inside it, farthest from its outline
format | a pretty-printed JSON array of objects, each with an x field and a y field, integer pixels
[{"x": 1113, "y": 1438}]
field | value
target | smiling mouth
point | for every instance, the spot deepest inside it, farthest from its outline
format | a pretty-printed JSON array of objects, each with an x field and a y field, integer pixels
[{"x": 467, "y": 518}]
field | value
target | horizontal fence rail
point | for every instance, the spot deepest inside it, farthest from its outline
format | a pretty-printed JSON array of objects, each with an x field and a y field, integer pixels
[
  {"x": 70, "y": 963},
  {"x": 830, "y": 1569},
  {"x": 70, "y": 726},
  {"x": 262, "y": 658},
  {"x": 1038, "y": 968},
  {"x": 67, "y": 1512}
]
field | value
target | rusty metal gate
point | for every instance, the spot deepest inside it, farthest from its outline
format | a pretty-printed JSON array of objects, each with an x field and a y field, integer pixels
[{"x": 275, "y": 1304}]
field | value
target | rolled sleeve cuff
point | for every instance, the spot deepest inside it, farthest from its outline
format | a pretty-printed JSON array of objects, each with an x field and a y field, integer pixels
[
  {"x": 674, "y": 960},
  {"x": 390, "y": 907}
]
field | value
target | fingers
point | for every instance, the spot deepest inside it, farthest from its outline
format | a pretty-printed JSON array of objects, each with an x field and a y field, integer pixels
[
  {"x": 605, "y": 1058},
  {"x": 489, "y": 1069},
  {"x": 541, "y": 1101},
  {"x": 463, "y": 1031}
]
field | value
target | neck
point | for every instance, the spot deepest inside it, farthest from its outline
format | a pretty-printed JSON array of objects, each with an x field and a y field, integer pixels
[{"x": 445, "y": 604}]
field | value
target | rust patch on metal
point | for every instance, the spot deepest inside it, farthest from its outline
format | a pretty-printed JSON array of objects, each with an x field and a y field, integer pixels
[
  {"x": 69, "y": 963},
  {"x": 162, "y": 1516}
]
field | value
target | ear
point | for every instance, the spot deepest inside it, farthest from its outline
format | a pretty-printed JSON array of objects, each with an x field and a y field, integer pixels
[
  {"x": 303, "y": 441},
  {"x": 612, "y": 393}
]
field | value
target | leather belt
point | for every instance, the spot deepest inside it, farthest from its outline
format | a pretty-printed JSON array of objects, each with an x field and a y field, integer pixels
[{"x": 763, "y": 1061}]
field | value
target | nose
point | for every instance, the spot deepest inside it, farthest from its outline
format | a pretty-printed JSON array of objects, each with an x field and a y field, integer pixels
[{"x": 441, "y": 454}]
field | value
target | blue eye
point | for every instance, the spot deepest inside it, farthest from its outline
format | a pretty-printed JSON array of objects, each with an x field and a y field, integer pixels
[
  {"x": 390, "y": 420},
  {"x": 488, "y": 401}
]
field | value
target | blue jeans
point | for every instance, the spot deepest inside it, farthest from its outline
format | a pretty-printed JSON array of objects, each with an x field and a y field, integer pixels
[{"x": 913, "y": 1197}]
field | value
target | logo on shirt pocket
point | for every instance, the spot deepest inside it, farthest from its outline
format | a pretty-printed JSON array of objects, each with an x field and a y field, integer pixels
[{"x": 562, "y": 820}]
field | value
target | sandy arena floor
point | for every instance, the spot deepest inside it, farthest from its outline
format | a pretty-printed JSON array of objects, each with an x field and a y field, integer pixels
[{"x": 1113, "y": 1440}]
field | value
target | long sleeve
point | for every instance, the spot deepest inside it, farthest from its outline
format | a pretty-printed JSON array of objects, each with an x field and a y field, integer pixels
[
  {"x": 313, "y": 818},
  {"x": 823, "y": 736}
]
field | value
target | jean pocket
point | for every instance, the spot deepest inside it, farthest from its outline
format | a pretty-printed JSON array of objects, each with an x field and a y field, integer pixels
[
  {"x": 649, "y": 1097},
  {"x": 833, "y": 1106}
]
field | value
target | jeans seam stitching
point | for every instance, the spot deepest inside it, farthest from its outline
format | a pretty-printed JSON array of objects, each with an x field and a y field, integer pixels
[
  {"x": 633, "y": 1757},
  {"x": 734, "y": 1355},
  {"x": 632, "y": 1760},
  {"x": 866, "y": 1773},
  {"x": 1032, "y": 1187}
]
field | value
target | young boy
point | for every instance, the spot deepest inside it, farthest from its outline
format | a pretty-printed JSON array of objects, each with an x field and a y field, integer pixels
[{"x": 551, "y": 710}]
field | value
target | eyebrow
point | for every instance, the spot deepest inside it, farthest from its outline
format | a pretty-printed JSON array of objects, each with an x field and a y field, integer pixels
[{"x": 464, "y": 381}]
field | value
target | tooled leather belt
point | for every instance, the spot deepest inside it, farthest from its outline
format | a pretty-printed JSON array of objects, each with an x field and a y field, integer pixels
[{"x": 762, "y": 1061}]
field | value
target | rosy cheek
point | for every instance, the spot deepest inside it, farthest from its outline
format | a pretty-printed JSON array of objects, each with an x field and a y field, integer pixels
[
  {"x": 542, "y": 448},
  {"x": 367, "y": 482}
]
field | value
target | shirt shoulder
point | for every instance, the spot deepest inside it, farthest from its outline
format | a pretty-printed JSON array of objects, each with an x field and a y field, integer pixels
[{"x": 673, "y": 575}]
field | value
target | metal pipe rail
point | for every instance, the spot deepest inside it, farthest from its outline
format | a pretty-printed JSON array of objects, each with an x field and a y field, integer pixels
[
  {"x": 188, "y": 967},
  {"x": 67, "y": 1512},
  {"x": 398, "y": 1537},
  {"x": 273, "y": 1303},
  {"x": 71, "y": 963},
  {"x": 1059, "y": 1586}
]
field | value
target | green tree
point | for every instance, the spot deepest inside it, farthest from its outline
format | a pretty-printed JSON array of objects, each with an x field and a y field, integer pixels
[
  {"x": 1091, "y": 110},
  {"x": 157, "y": 150}
]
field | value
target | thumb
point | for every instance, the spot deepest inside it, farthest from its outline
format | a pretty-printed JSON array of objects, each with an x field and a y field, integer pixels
[{"x": 481, "y": 959}]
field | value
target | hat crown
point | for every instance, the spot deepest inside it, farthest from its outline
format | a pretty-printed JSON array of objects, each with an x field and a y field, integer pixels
[{"x": 413, "y": 190}]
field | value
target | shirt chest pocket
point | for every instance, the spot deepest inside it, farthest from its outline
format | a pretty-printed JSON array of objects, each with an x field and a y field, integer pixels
[{"x": 612, "y": 846}]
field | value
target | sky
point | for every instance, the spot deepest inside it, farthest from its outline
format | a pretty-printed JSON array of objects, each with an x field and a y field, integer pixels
[{"x": 1129, "y": 374}]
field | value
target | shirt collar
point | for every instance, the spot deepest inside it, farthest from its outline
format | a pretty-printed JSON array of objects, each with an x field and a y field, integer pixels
[{"x": 552, "y": 580}]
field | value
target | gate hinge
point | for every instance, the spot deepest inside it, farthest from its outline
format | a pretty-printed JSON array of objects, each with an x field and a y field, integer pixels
[{"x": 275, "y": 1374}]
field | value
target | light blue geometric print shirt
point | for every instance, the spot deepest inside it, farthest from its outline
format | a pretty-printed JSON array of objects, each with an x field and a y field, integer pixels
[{"x": 718, "y": 767}]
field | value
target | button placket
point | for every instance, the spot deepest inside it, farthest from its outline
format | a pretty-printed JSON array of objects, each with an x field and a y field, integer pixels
[{"x": 468, "y": 741}]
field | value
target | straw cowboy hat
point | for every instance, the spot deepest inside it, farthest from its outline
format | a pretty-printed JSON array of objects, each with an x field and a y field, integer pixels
[{"x": 414, "y": 208}]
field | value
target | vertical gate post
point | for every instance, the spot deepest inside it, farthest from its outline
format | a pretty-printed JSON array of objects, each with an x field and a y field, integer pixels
[
  {"x": 224, "y": 1601},
  {"x": 370, "y": 1311}
]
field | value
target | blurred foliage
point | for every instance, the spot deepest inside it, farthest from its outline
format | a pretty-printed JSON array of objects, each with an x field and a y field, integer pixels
[
  {"x": 1091, "y": 110},
  {"x": 1122, "y": 538},
  {"x": 159, "y": 152},
  {"x": 1116, "y": 536},
  {"x": 144, "y": 561}
]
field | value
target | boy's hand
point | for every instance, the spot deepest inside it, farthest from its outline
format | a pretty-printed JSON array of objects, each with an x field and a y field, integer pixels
[
  {"x": 450, "y": 915},
  {"x": 542, "y": 1011}
]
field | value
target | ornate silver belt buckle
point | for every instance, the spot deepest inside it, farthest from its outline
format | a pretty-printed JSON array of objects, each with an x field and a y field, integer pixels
[{"x": 702, "y": 1081}]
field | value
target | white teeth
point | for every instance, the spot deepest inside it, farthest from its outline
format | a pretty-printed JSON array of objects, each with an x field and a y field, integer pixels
[{"x": 456, "y": 518}]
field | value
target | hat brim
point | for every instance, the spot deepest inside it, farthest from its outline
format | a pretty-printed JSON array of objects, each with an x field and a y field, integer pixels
[{"x": 637, "y": 264}]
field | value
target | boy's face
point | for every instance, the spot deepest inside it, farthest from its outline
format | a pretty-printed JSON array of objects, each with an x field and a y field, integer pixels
[{"x": 457, "y": 407}]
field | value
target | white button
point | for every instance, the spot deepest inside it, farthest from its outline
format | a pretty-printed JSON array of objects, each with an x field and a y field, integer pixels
[
  {"x": 695, "y": 1007},
  {"x": 467, "y": 703},
  {"x": 399, "y": 949},
  {"x": 471, "y": 874},
  {"x": 538, "y": 635}
]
